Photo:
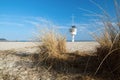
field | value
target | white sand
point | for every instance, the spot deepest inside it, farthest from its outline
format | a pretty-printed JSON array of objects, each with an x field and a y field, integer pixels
[
  {"x": 82, "y": 46},
  {"x": 71, "y": 46},
  {"x": 15, "y": 45}
]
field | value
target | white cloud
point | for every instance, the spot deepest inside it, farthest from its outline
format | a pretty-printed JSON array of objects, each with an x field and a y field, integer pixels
[
  {"x": 11, "y": 23},
  {"x": 32, "y": 22},
  {"x": 62, "y": 27}
]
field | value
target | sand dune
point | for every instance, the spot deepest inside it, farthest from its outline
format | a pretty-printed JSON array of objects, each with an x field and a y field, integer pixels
[{"x": 18, "y": 63}]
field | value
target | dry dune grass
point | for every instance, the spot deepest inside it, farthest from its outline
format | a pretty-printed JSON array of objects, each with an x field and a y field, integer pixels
[
  {"x": 109, "y": 50},
  {"x": 53, "y": 44},
  {"x": 53, "y": 54}
]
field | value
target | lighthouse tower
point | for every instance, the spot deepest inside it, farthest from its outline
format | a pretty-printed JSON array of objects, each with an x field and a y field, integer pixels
[{"x": 73, "y": 30}]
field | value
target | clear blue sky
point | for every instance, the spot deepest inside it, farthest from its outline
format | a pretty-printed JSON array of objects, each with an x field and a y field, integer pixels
[{"x": 19, "y": 19}]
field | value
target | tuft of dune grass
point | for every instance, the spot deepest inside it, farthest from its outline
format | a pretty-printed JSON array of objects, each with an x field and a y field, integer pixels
[
  {"x": 109, "y": 50},
  {"x": 53, "y": 45}
]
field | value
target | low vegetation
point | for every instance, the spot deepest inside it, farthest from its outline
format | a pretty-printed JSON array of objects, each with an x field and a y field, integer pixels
[
  {"x": 109, "y": 50},
  {"x": 53, "y": 55},
  {"x": 53, "y": 45}
]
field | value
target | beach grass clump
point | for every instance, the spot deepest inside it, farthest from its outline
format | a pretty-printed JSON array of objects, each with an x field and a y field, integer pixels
[
  {"x": 53, "y": 45},
  {"x": 109, "y": 50}
]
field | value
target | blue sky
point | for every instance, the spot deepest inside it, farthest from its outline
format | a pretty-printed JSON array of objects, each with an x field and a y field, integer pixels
[{"x": 20, "y": 19}]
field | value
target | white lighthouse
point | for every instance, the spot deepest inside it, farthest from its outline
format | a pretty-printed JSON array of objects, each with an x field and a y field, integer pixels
[{"x": 73, "y": 32}]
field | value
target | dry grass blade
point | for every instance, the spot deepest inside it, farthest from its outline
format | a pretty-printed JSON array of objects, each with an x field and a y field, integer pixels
[
  {"x": 87, "y": 65},
  {"x": 104, "y": 59}
]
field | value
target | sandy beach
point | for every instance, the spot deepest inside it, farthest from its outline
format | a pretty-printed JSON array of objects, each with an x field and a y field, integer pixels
[{"x": 71, "y": 46}]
